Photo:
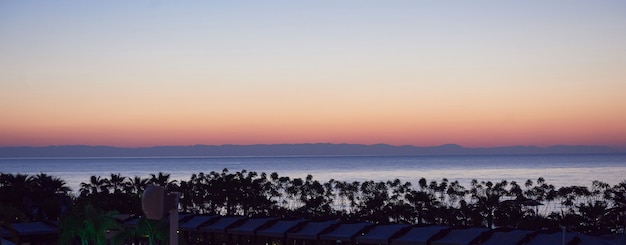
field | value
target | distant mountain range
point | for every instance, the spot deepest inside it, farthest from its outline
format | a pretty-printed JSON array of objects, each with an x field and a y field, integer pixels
[{"x": 320, "y": 149}]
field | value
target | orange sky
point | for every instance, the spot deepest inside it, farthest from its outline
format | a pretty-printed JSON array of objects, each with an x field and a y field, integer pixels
[{"x": 416, "y": 73}]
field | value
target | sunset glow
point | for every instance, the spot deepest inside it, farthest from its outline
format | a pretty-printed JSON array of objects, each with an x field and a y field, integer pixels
[{"x": 146, "y": 73}]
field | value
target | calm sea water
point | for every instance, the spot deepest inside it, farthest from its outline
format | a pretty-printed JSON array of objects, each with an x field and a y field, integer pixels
[{"x": 559, "y": 170}]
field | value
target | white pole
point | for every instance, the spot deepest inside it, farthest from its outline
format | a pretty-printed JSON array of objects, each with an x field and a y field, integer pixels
[{"x": 174, "y": 221}]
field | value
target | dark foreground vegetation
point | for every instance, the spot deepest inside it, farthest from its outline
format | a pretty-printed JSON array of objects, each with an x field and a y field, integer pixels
[{"x": 534, "y": 204}]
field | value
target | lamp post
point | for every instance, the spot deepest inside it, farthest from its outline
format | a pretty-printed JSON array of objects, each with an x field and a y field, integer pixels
[
  {"x": 156, "y": 203},
  {"x": 174, "y": 220}
]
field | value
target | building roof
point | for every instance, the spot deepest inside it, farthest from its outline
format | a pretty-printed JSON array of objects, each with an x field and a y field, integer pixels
[
  {"x": 6, "y": 242},
  {"x": 4, "y": 232},
  {"x": 508, "y": 237},
  {"x": 419, "y": 235},
  {"x": 34, "y": 228},
  {"x": 345, "y": 232},
  {"x": 460, "y": 236},
  {"x": 590, "y": 240},
  {"x": 279, "y": 228},
  {"x": 196, "y": 221},
  {"x": 381, "y": 233},
  {"x": 334, "y": 231},
  {"x": 222, "y": 224},
  {"x": 311, "y": 230},
  {"x": 250, "y": 226},
  {"x": 552, "y": 238}
]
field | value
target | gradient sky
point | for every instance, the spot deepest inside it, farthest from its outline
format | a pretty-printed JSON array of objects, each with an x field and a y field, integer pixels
[{"x": 475, "y": 73}]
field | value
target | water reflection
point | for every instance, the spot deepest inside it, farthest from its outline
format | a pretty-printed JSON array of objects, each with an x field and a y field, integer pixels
[{"x": 559, "y": 170}]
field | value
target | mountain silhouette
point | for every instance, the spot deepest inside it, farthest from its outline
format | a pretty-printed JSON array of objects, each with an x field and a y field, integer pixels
[{"x": 318, "y": 149}]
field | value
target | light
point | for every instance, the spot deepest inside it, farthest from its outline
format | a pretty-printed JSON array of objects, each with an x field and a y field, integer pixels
[{"x": 152, "y": 202}]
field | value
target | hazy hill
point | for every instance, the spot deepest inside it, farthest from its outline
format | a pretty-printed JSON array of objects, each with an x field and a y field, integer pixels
[{"x": 321, "y": 149}]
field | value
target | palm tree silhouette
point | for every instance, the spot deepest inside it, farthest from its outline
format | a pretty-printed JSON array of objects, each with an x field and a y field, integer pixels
[
  {"x": 15, "y": 191},
  {"x": 486, "y": 196},
  {"x": 136, "y": 185},
  {"x": 117, "y": 183},
  {"x": 96, "y": 185},
  {"x": 423, "y": 202},
  {"x": 162, "y": 180}
]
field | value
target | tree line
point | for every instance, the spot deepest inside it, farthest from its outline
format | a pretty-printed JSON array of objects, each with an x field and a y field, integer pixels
[{"x": 534, "y": 204}]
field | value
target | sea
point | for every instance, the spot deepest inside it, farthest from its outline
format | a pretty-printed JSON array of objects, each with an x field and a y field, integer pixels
[{"x": 558, "y": 170}]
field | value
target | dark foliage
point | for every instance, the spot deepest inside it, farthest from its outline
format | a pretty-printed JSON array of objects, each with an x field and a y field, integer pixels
[{"x": 598, "y": 209}]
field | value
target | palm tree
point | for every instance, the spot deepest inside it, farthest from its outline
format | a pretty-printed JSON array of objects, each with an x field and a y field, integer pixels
[
  {"x": 486, "y": 196},
  {"x": 541, "y": 192},
  {"x": 186, "y": 198},
  {"x": 254, "y": 198},
  {"x": 439, "y": 189},
  {"x": 423, "y": 203},
  {"x": 374, "y": 200},
  {"x": 136, "y": 185},
  {"x": 162, "y": 180},
  {"x": 15, "y": 194},
  {"x": 49, "y": 197},
  {"x": 591, "y": 214},
  {"x": 571, "y": 195},
  {"x": 399, "y": 209},
  {"x": 278, "y": 189},
  {"x": 96, "y": 185},
  {"x": 197, "y": 193},
  {"x": 117, "y": 183},
  {"x": 455, "y": 193},
  {"x": 615, "y": 216},
  {"x": 50, "y": 185},
  {"x": 313, "y": 195},
  {"x": 14, "y": 188},
  {"x": 293, "y": 192},
  {"x": 88, "y": 224}
]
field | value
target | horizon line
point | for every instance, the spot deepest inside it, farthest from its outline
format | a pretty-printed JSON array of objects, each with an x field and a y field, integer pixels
[{"x": 322, "y": 143}]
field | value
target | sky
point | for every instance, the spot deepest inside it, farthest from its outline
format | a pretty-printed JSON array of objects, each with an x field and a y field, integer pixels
[{"x": 474, "y": 73}]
